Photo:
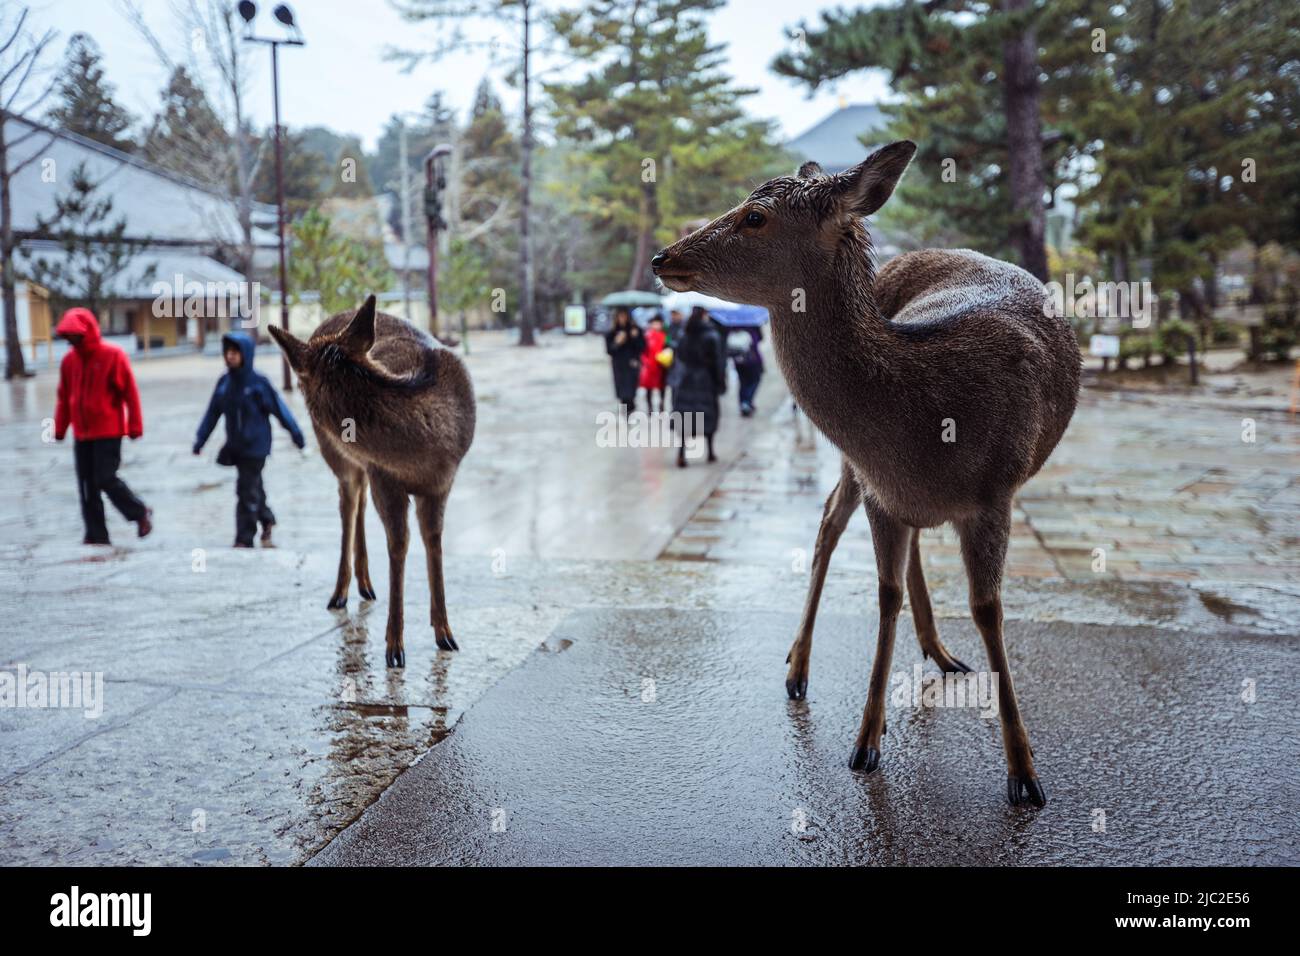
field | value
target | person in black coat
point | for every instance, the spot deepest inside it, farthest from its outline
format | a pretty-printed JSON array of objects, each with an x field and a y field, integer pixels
[
  {"x": 624, "y": 344},
  {"x": 698, "y": 378}
]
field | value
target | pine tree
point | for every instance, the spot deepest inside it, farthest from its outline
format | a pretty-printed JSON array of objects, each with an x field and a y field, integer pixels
[
  {"x": 304, "y": 172},
  {"x": 85, "y": 102},
  {"x": 342, "y": 270},
  {"x": 521, "y": 18},
  {"x": 483, "y": 193},
  {"x": 185, "y": 134},
  {"x": 1193, "y": 113},
  {"x": 95, "y": 253},
  {"x": 970, "y": 77},
  {"x": 662, "y": 134}
]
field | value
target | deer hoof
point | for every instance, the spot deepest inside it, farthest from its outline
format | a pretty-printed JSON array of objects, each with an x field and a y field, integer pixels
[
  {"x": 955, "y": 666},
  {"x": 947, "y": 663},
  {"x": 367, "y": 593},
  {"x": 1025, "y": 790},
  {"x": 395, "y": 657},
  {"x": 796, "y": 687},
  {"x": 446, "y": 642},
  {"x": 866, "y": 759},
  {"x": 338, "y": 603}
]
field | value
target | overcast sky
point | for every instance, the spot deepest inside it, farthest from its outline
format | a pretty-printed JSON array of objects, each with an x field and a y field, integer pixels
[{"x": 341, "y": 79}]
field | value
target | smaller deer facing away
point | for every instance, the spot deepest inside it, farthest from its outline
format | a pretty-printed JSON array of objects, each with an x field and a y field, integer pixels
[
  {"x": 940, "y": 379},
  {"x": 394, "y": 410}
]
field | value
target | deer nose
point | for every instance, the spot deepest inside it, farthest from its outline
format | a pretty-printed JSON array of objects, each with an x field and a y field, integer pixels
[{"x": 659, "y": 259}]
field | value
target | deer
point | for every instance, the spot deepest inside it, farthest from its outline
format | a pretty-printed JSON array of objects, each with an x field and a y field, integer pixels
[
  {"x": 393, "y": 410},
  {"x": 942, "y": 379}
]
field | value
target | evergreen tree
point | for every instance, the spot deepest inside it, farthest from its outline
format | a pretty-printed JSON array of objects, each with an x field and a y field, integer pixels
[
  {"x": 662, "y": 132},
  {"x": 94, "y": 251},
  {"x": 522, "y": 18},
  {"x": 186, "y": 134},
  {"x": 1192, "y": 122},
  {"x": 85, "y": 103},
  {"x": 304, "y": 173},
  {"x": 969, "y": 72},
  {"x": 484, "y": 193},
  {"x": 488, "y": 159},
  {"x": 342, "y": 270},
  {"x": 422, "y": 134}
]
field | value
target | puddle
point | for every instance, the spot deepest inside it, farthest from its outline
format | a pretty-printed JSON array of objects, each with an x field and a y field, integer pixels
[{"x": 389, "y": 710}]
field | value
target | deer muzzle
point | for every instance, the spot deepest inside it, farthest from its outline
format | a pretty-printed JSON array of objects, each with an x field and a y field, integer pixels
[{"x": 672, "y": 272}]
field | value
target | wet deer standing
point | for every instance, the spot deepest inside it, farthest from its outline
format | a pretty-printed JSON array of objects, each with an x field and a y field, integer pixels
[
  {"x": 941, "y": 379},
  {"x": 393, "y": 410}
]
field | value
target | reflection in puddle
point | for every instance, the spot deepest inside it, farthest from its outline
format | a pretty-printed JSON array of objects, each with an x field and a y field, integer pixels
[{"x": 377, "y": 726}]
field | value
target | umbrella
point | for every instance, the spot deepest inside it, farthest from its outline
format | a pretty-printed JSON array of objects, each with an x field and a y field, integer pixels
[
  {"x": 630, "y": 298},
  {"x": 730, "y": 315}
]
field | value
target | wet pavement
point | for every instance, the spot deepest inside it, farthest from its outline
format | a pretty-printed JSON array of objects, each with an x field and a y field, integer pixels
[
  {"x": 535, "y": 483},
  {"x": 666, "y": 737},
  {"x": 244, "y": 723},
  {"x": 1160, "y": 486}
]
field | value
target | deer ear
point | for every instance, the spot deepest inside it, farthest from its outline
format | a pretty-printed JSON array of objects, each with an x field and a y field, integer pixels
[
  {"x": 810, "y": 170},
  {"x": 359, "y": 335},
  {"x": 864, "y": 188},
  {"x": 294, "y": 349}
]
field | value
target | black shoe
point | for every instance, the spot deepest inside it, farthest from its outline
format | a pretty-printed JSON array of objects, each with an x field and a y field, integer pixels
[{"x": 145, "y": 525}]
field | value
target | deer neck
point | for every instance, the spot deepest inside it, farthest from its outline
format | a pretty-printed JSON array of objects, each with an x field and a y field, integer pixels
[{"x": 841, "y": 360}]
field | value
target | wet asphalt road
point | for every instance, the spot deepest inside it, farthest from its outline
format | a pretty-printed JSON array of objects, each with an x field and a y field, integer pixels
[{"x": 664, "y": 737}]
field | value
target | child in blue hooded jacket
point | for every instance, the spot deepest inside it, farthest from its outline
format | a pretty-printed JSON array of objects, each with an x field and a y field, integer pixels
[{"x": 248, "y": 401}]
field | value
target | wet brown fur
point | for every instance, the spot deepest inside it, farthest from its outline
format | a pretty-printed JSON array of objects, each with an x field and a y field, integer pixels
[
  {"x": 408, "y": 404},
  {"x": 884, "y": 364}
]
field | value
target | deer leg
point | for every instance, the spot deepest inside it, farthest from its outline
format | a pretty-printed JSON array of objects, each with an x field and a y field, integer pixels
[
  {"x": 361, "y": 559},
  {"x": 835, "y": 517},
  {"x": 918, "y": 596},
  {"x": 429, "y": 510},
  {"x": 348, "y": 519},
  {"x": 892, "y": 543},
  {"x": 984, "y": 549},
  {"x": 392, "y": 503}
]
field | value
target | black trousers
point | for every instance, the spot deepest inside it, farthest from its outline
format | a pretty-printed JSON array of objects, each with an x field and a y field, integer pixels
[
  {"x": 97, "y": 463},
  {"x": 250, "y": 500}
]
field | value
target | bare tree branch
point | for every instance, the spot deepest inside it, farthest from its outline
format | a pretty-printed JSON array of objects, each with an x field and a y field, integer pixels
[
  {"x": 15, "y": 169},
  {"x": 16, "y": 33}
]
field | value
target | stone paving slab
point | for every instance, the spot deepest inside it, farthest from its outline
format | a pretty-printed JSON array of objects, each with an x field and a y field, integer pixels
[
  {"x": 667, "y": 739},
  {"x": 1164, "y": 486}
]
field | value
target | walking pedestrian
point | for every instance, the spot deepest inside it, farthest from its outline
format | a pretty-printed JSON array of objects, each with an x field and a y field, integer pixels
[
  {"x": 652, "y": 369},
  {"x": 749, "y": 371},
  {"x": 624, "y": 344},
  {"x": 676, "y": 325},
  {"x": 247, "y": 400},
  {"x": 97, "y": 396},
  {"x": 698, "y": 380}
]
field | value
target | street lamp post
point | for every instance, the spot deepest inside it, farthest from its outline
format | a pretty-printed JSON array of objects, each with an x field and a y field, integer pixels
[{"x": 248, "y": 10}]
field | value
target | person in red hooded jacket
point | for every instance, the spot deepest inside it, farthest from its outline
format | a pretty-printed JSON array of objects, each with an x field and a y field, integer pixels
[
  {"x": 652, "y": 373},
  {"x": 98, "y": 398}
]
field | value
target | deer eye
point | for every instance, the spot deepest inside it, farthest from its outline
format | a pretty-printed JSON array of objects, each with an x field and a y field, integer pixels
[{"x": 755, "y": 219}]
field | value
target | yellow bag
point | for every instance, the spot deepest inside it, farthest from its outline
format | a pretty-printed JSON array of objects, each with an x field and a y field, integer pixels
[{"x": 665, "y": 358}]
